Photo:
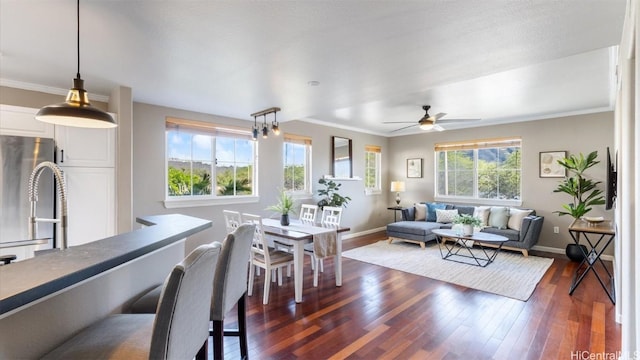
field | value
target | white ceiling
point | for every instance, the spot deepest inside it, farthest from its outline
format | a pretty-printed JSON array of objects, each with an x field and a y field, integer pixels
[{"x": 376, "y": 61}]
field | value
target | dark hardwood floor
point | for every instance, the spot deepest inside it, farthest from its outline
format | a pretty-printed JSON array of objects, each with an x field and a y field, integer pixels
[{"x": 380, "y": 313}]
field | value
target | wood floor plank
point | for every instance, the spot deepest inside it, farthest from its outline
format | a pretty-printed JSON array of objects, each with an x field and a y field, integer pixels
[{"x": 380, "y": 313}]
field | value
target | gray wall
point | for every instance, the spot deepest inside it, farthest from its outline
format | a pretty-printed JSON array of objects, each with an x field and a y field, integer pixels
[
  {"x": 362, "y": 214},
  {"x": 575, "y": 134}
]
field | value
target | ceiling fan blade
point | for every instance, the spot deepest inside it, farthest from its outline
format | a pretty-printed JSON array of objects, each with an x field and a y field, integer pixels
[
  {"x": 398, "y": 122},
  {"x": 402, "y": 128},
  {"x": 456, "y": 120},
  {"x": 438, "y": 128},
  {"x": 439, "y": 115}
]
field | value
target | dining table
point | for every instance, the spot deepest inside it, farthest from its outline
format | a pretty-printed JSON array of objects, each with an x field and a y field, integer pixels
[{"x": 299, "y": 233}]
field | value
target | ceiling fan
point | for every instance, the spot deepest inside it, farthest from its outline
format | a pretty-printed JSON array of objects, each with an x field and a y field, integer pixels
[{"x": 427, "y": 122}]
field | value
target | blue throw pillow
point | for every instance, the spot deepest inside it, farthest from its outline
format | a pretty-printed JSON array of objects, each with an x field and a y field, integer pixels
[{"x": 431, "y": 210}]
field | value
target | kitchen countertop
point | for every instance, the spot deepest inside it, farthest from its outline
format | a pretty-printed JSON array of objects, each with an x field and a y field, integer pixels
[{"x": 29, "y": 280}]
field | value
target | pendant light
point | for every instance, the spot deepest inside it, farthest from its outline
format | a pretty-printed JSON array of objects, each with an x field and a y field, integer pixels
[
  {"x": 265, "y": 127},
  {"x": 274, "y": 125},
  {"x": 76, "y": 110},
  {"x": 254, "y": 133}
]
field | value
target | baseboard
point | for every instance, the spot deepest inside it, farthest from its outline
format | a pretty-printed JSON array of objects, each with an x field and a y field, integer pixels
[
  {"x": 561, "y": 251},
  {"x": 361, "y": 233}
]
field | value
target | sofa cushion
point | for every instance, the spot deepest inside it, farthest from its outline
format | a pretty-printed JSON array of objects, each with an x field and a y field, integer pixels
[
  {"x": 420, "y": 228},
  {"x": 421, "y": 211},
  {"x": 499, "y": 217},
  {"x": 431, "y": 210},
  {"x": 508, "y": 233},
  {"x": 463, "y": 209},
  {"x": 516, "y": 216},
  {"x": 482, "y": 213},
  {"x": 446, "y": 216}
]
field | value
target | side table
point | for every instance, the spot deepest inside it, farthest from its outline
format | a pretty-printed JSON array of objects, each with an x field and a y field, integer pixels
[
  {"x": 605, "y": 233},
  {"x": 395, "y": 212}
]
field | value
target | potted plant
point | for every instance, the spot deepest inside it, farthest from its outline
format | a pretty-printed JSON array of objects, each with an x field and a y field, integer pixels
[
  {"x": 330, "y": 194},
  {"x": 584, "y": 192},
  {"x": 468, "y": 222},
  {"x": 284, "y": 207}
]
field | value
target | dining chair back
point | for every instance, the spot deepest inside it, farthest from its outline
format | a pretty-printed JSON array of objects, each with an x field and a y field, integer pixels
[
  {"x": 179, "y": 329},
  {"x": 265, "y": 257},
  {"x": 230, "y": 289},
  {"x": 331, "y": 215},
  {"x": 308, "y": 213},
  {"x": 232, "y": 219}
]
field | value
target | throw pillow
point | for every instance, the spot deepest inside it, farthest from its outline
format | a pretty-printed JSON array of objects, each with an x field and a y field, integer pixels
[
  {"x": 516, "y": 216},
  {"x": 499, "y": 217},
  {"x": 445, "y": 216},
  {"x": 421, "y": 211},
  {"x": 482, "y": 213},
  {"x": 431, "y": 210}
]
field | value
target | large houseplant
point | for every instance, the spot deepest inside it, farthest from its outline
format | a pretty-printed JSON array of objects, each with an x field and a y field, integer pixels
[
  {"x": 583, "y": 190},
  {"x": 330, "y": 194},
  {"x": 284, "y": 207}
]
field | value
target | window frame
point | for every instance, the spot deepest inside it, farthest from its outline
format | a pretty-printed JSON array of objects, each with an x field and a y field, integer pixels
[
  {"x": 377, "y": 150},
  {"x": 307, "y": 142},
  {"x": 213, "y": 130},
  {"x": 476, "y": 145}
]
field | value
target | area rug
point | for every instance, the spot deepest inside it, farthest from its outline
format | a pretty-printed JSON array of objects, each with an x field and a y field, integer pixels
[{"x": 511, "y": 274}]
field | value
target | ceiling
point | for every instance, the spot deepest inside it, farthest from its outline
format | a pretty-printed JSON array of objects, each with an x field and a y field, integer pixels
[{"x": 375, "y": 61}]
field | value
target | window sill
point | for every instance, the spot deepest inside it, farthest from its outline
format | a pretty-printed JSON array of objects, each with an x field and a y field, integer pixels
[
  {"x": 368, "y": 192},
  {"x": 475, "y": 201},
  {"x": 197, "y": 202}
]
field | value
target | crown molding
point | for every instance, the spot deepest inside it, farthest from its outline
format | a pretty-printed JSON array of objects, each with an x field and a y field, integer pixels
[{"x": 46, "y": 89}]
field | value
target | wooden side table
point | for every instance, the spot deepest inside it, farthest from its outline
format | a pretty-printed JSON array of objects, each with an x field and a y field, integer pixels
[
  {"x": 604, "y": 232},
  {"x": 395, "y": 212}
]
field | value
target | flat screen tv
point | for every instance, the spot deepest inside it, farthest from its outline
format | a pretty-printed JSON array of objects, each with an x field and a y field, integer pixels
[{"x": 611, "y": 186}]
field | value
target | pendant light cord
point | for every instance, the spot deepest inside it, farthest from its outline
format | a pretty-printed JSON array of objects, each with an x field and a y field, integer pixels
[{"x": 78, "y": 36}]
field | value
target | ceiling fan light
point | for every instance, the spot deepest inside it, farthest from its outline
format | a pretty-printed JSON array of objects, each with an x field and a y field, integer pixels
[
  {"x": 426, "y": 126},
  {"x": 76, "y": 111}
]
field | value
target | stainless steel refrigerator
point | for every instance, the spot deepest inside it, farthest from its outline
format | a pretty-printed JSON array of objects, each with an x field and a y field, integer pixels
[{"x": 19, "y": 156}]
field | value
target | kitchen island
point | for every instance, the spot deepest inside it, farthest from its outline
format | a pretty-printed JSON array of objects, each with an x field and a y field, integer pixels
[{"x": 45, "y": 299}]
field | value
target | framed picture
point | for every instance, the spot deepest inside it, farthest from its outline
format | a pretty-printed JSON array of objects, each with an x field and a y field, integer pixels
[
  {"x": 549, "y": 167},
  {"x": 414, "y": 168}
]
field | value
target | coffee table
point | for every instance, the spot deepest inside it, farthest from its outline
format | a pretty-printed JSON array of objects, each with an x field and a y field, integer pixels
[{"x": 459, "y": 247}]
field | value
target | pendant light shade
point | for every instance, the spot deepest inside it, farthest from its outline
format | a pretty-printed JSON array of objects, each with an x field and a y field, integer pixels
[{"x": 76, "y": 110}]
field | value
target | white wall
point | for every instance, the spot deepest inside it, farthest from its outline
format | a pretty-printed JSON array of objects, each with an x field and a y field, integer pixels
[
  {"x": 583, "y": 133},
  {"x": 361, "y": 214}
]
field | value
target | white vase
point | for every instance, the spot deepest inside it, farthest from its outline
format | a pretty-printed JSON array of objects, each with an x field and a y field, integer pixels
[{"x": 467, "y": 229}]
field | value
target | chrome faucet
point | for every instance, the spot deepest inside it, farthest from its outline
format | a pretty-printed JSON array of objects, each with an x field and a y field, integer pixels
[{"x": 33, "y": 198}]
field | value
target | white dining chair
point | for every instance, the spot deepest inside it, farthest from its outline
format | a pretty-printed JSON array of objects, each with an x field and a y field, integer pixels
[
  {"x": 331, "y": 217},
  {"x": 308, "y": 213},
  {"x": 265, "y": 257},
  {"x": 232, "y": 219}
]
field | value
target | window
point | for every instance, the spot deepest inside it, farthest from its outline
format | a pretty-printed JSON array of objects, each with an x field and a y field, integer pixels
[
  {"x": 297, "y": 164},
  {"x": 372, "y": 169},
  {"x": 480, "y": 170},
  {"x": 207, "y": 161}
]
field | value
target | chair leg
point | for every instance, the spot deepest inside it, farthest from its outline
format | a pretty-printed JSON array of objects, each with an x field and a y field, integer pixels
[
  {"x": 315, "y": 272},
  {"x": 242, "y": 327},
  {"x": 252, "y": 270},
  {"x": 267, "y": 285},
  {"x": 218, "y": 334},
  {"x": 202, "y": 353},
  {"x": 279, "y": 276},
  {"x": 321, "y": 262}
]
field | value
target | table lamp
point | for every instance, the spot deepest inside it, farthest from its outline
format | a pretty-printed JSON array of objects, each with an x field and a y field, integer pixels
[{"x": 398, "y": 187}]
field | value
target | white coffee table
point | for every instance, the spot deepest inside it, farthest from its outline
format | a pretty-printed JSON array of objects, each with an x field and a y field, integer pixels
[{"x": 461, "y": 247}]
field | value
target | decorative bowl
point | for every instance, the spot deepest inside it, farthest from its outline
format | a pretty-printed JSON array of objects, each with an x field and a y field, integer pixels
[{"x": 593, "y": 219}]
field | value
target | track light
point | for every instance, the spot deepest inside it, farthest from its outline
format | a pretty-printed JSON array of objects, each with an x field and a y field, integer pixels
[
  {"x": 274, "y": 125},
  {"x": 76, "y": 110},
  {"x": 265, "y": 127}
]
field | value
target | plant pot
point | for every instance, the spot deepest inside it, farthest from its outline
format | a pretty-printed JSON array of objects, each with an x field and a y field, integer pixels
[
  {"x": 467, "y": 229},
  {"x": 284, "y": 220},
  {"x": 576, "y": 252}
]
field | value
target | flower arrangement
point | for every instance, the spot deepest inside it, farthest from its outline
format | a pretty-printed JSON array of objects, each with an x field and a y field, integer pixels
[{"x": 466, "y": 219}]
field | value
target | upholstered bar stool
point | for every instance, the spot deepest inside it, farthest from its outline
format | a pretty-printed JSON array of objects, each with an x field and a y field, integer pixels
[
  {"x": 179, "y": 330},
  {"x": 229, "y": 289}
]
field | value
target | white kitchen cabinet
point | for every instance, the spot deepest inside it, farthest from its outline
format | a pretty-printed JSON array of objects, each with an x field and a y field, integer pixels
[
  {"x": 21, "y": 121},
  {"x": 85, "y": 147},
  {"x": 91, "y": 204}
]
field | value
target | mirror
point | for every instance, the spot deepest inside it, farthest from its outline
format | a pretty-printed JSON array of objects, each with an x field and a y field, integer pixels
[{"x": 341, "y": 157}]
